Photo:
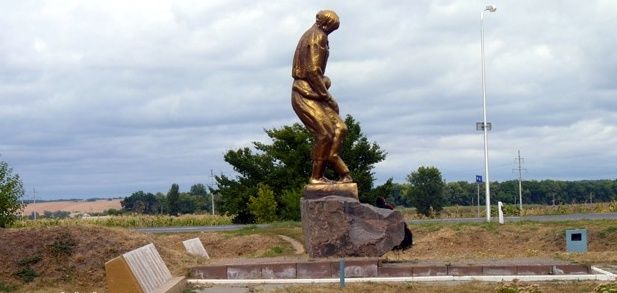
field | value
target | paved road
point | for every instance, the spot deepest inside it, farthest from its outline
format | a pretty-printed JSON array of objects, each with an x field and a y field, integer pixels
[{"x": 553, "y": 218}]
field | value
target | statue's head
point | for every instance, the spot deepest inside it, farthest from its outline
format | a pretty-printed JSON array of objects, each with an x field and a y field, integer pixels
[{"x": 327, "y": 20}]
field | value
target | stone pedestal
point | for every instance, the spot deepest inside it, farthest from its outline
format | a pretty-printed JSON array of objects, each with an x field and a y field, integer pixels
[{"x": 335, "y": 223}]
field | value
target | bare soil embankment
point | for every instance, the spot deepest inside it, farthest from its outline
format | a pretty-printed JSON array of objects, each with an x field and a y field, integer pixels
[{"x": 71, "y": 257}]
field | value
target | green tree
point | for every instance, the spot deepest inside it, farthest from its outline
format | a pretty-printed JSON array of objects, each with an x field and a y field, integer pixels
[
  {"x": 285, "y": 164},
  {"x": 141, "y": 202},
  {"x": 201, "y": 197},
  {"x": 427, "y": 190},
  {"x": 400, "y": 192},
  {"x": 11, "y": 191},
  {"x": 361, "y": 157},
  {"x": 198, "y": 189},
  {"x": 173, "y": 199},
  {"x": 290, "y": 204},
  {"x": 188, "y": 203},
  {"x": 161, "y": 198},
  {"x": 263, "y": 206},
  {"x": 385, "y": 190}
]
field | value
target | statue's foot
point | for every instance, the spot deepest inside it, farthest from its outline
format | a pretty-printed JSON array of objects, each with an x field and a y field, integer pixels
[
  {"x": 346, "y": 179},
  {"x": 322, "y": 180}
]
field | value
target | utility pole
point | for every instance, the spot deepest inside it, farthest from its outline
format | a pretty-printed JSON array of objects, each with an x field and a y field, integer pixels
[
  {"x": 34, "y": 201},
  {"x": 212, "y": 194},
  {"x": 520, "y": 180}
]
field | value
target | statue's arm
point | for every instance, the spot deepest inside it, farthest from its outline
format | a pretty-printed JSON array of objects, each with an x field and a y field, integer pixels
[
  {"x": 318, "y": 52},
  {"x": 304, "y": 89}
]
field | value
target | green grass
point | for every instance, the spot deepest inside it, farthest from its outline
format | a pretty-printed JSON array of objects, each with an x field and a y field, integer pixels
[
  {"x": 131, "y": 221},
  {"x": 604, "y": 228},
  {"x": 509, "y": 210},
  {"x": 290, "y": 229},
  {"x": 277, "y": 251}
]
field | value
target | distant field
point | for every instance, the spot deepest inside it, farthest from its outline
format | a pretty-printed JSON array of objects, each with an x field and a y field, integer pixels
[{"x": 73, "y": 206}]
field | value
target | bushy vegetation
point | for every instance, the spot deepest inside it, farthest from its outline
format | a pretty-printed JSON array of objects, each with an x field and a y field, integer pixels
[
  {"x": 284, "y": 165},
  {"x": 131, "y": 221},
  {"x": 25, "y": 271},
  {"x": 544, "y": 192},
  {"x": 427, "y": 190},
  {"x": 197, "y": 200},
  {"x": 11, "y": 191},
  {"x": 263, "y": 206}
]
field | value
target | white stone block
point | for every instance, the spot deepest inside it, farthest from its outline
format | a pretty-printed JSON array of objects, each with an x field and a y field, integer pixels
[
  {"x": 195, "y": 247},
  {"x": 499, "y": 206}
]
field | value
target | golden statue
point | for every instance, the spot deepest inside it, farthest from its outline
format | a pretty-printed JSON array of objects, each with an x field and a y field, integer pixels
[{"x": 312, "y": 102}]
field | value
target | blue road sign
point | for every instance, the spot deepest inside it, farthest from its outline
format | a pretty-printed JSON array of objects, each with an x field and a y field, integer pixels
[{"x": 478, "y": 178}]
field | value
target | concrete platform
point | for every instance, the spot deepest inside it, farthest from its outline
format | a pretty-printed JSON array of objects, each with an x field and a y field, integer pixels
[{"x": 373, "y": 268}]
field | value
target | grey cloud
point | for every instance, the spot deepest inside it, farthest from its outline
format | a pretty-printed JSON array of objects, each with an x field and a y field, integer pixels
[{"x": 106, "y": 98}]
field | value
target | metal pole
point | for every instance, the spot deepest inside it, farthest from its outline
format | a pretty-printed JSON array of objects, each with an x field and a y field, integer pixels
[
  {"x": 489, "y": 8},
  {"x": 212, "y": 194},
  {"x": 478, "y": 201},
  {"x": 486, "y": 176},
  {"x": 520, "y": 184}
]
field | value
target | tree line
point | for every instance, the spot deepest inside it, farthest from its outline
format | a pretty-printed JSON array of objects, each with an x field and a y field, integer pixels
[
  {"x": 543, "y": 192},
  {"x": 271, "y": 176},
  {"x": 197, "y": 200}
]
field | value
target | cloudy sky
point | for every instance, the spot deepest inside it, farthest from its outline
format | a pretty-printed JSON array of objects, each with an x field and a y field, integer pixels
[{"x": 104, "y": 98}]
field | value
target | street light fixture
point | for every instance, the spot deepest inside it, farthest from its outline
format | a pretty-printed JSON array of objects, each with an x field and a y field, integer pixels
[{"x": 487, "y": 189}]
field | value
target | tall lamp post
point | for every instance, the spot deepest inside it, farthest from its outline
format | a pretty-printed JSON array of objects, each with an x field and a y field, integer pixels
[{"x": 485, "y": 126}]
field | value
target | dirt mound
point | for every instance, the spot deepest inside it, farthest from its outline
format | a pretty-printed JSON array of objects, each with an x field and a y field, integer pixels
[
  {"x": 74, "y": 256},
  {"x": 60, "y": 255},
  {"x": 515, "y": 240}
]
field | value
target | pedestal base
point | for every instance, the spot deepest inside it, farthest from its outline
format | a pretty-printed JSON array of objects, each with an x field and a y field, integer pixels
[
  {"x": 336, "y": 225},
  {"x": 314, "y": 191}
]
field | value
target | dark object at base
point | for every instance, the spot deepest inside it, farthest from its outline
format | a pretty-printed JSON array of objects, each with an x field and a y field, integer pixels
[
  {"x": 342, "y": 226},
  {"x": 408, "y": 239}
]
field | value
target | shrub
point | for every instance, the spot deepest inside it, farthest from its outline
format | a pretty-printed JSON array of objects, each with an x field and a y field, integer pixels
[
  {"x": 263, "y": 206},
  {"x": 29, "y": 260},
  {"x": 63, "y": 245},
  {"x": 26, "y": 274}
]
